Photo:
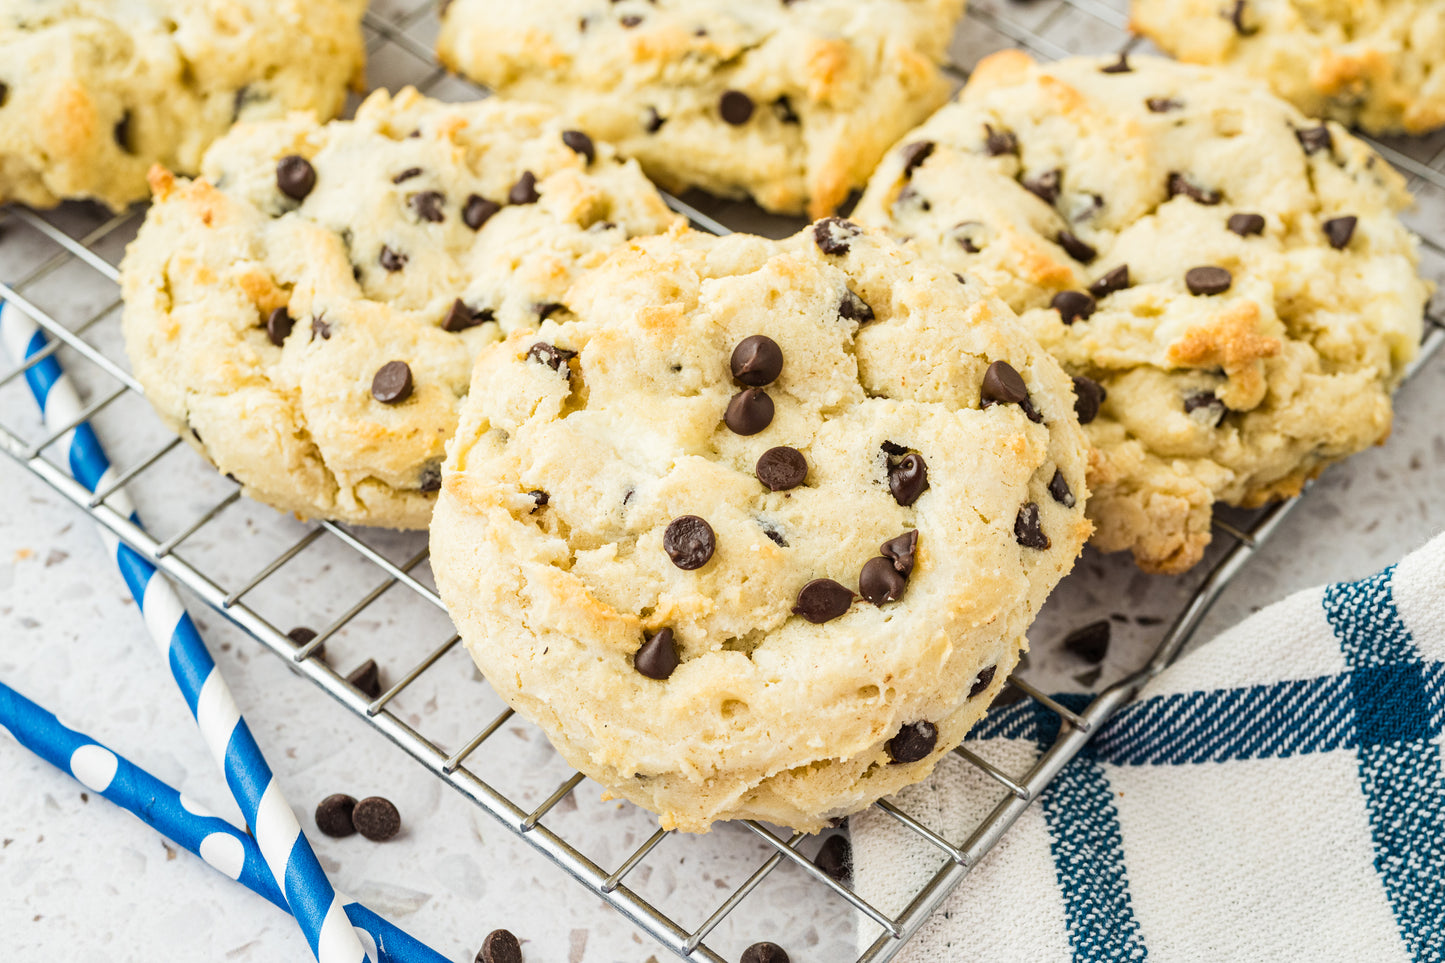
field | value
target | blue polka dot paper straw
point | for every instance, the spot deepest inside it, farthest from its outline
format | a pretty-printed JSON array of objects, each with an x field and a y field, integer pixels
[
  {"x": 224, "y": 847},
  {"x": 288, "y": 855}
]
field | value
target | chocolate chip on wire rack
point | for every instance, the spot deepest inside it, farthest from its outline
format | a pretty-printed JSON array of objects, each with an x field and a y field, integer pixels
[
  {"x": 333, "y": 815},
  {"x": 764, "y": 953},
  {"x": 835, "y": 857},
  {"x": 376, "y": 819},
  {"x": 366, "y": 679},
  {"x": 500, "y": 946},
  {"x": 1090, "y": 642}
]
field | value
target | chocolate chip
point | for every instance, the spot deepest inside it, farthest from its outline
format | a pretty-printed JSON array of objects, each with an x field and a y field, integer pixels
[
  {"x": 478, "y": 210},
  {"x": 460, "y": 317},
  {"x": 392, "y": 383},
  {"x": 775, "y": 536},
  {"x": 689, "y": 541},
  {"x": 631, "y": 20},
  {"x": 969, "y": 235},
  {"x": 366, "y": 679},
  {"x": 908, "y": 479},
  {"x": 880, "y": 581},
  {"x": 525, "y": 190},
  {"x": 580, "y": 144},
  {"x": 376, "y": 819},
  {"x": 1090, "y": 643},
  {"x": 831, "y": 234},
  {"x": 891, "y": 448},
  {"x": 1059, "y": 490},
  {"x": 1026, "y": 527},
  {"x": 782, "y": 468},
  {"x": 749, "y": 412},
  {"x": 1177, "y": 184},
  {"x": 428, "y": 205},
  {"x": 1315, "y": 139},
  {"x": 764, "y": 953},
  {"x": 301, "y": 635},
  {"x": 295, "y": 177},
  {"x": 121, "y": 133},
  {"x": 1208, "y": 280},
  {"x": 5, "y": 93},
  {"x": 657, "y": 658},
  {"x": 1088, "y": 396},
  {"x": 652, "y": 121},
  {"x": 736, "y": 107},
  {"x": 333, "y": 815},
  {"x": 319, "y": 326},
  {"x": 1073, "y": 306},
  {"x": 983, "y": 680},
  {"x": 902, "y": 550},
  {"x": 999, "y": 142},
  {"x": 1236, "y": 17},
  {"x": 539, "y": 498},
  {"x": 1045, "y": 186},
  {"x": 546, "y": 309},
  {"x": 500, "y": 946},
  {"x": 550, "y": 355},
  {"x": 1211, "y": 404},
  {"x": 391, "y": 260},
  {"x": 1115, "y": 280},
  {"x": 1339, "y": 230},
  {"x": 278, "y": 326},
  {"x": 783, "y": 110},
  {"x": 406, "y": 175},
  {"x": 757, "y": 360},
  {"x": 1078, "y": 250},
  {"x": 431, "y": 479},
  {"x": 1246, "y": 224},
  {"x": 822, "y": 600},
  {"x": 914, "y": 155},
  {"x": 854, "y": 308},
  {"x": 1003, "y": 385},
  {"x": 913, "y": 742},
  {"x": 835, "y": 858},
  {"x": 1120, "y": 66},
  {"x": 1161, "y": 105}
]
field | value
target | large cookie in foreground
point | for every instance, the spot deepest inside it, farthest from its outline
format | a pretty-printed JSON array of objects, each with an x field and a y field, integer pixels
[
  {"x": 656, "y": 513},
  {"x": 791, "y": 104},
  {"x": 1376, "y": 65},
  {"x": 306, "y": 313},
  {"x": 93, "y": 92},
  {"x": 1232, "y": 274}
]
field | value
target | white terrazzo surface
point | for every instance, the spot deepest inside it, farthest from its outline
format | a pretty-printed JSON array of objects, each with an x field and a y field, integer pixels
[{"x": 82, "y": 881}]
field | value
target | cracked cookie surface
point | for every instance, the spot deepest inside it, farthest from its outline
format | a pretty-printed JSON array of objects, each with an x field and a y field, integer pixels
[
  {"x": 305, "y": 313},
  {"x": 1232, "y": 275},
  {"x": 758, "y": 530}
]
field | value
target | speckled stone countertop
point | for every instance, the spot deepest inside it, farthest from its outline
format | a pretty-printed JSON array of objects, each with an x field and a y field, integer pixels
[{"x": 82, "y": 881}]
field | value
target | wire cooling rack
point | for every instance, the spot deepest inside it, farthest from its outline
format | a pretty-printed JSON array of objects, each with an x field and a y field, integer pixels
[{"x": 60, "y": 268}]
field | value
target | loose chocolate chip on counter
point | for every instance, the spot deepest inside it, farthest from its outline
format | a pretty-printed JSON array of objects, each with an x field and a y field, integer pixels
[
  {"x": 822, "y": 600},
  {"x": 366, "y": 679},
  {"x": 783, "y": 110},
  {"x": 500, "y": 946},
  {"x": 854, "y": 308},
  {"x": 999, "y": 142},
  {"x": 550, "y": 355},
  {"x": 908, "y": 478},
  {"x": 736, "y": 107},
  {"x": 580, "y": 143},
  {"x": 392, "y": 383},
  {"x": 525, "y": 190},
  {"x": 657, "y": 658},
  {"x": 431, "y": 479},
  {"x": 1161, "y": 105},
  {"x": 278, "y": 326},
  {"x": 652, "y": 121},
  {"x": 1209, "y": 402},
  {"x": 1073, "y": 306},
  {"x": 831, "y": 234},
  {"x": 757, "y": 360},
  {"x": 376, "y": 819},
  {"x": 1120, "y": 66},
  {"x": 880, "y": 581},
  {"x": 1315, "y": 139},
  {"x": 333, "y": 815},
  {"x": 1088, "y": 396},
  {"x": 1246, "y": 224},
  {"x": 764, "y": 953},
  {"x": 1208, "y": 280},
  {"x": 689, "y": 541},
  {"x": 301, "y": 635},
  {"x": 460, "y": 317},
  {"x": 835, "y": 857},
  {"x": 1026, "y": 527},
  {"x": 782, "y": 468},
  {"x": 1059, "y": 490},
  {"x": 1045, "y": 186},
  {"x": 749, "y": 412},
  {"x": 1003, "y": 385},
  {"x": 406, "y": 175},
  {"x": 295, "y": 177},
  {"x": 320, "y": 327},
  {"x": 1178, "y": 184},
  {"x": 1080, "y": 251},
  {"x": 391, "y": 260},
  {"x": 914, "y": 155},
  {"x": 1090, "y": 643},
  {"x": 1115, "y": 280},
  {"x": 428, "y": 205},
  {"x": 902, "y": 550},
  {"x": 913, "y": 742},
  {"x": 1339, "y": 230},
  {"x": 1236, "y": 17},
  {"x": 983, "y": 681},
  {"x": 478, "y": 210}
]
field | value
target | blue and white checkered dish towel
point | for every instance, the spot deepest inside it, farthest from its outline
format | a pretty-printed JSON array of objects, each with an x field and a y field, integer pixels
[{"x": 1275, "y": 795}]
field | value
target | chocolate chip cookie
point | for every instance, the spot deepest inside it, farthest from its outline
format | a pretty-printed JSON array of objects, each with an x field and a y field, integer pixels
[
  {"x": 1226, "y": 279},
  {"x": 306, "y": 312},
  {"x": 789, "y": 103},
  {"x": 757, "y": 529}
]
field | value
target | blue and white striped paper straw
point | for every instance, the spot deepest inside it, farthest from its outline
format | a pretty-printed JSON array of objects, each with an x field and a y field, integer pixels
[
  {"x": 224, "y": 847},
  {"x": 284, "y": 848}
]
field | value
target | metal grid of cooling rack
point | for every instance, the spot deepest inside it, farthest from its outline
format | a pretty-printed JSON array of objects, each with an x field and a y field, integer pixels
[{"x": 397, "y": 565}]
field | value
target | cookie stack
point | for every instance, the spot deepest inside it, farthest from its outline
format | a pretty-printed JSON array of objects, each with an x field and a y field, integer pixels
[{"x": 756, "y": 528}]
